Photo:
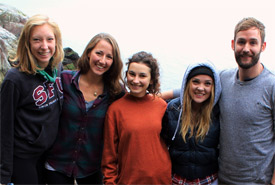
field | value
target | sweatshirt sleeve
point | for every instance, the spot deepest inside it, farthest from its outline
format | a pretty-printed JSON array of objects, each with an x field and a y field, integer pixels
[
  {"x": 110, "y": 150},
  {"x": 9, "y": 98},
  {"x": 176, "y": 93}
]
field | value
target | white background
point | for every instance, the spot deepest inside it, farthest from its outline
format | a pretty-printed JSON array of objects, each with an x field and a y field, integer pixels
[{"x": 176, "y": 32}]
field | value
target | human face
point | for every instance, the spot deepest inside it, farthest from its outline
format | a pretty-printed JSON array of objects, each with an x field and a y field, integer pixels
[
  {"x": 248, "y": 47},
  {"x": 138, "y": 79},
  {"x": 101, "y": 57},
  {"x": 42, "y": 44},
  {"x": 200, "y": 88}
]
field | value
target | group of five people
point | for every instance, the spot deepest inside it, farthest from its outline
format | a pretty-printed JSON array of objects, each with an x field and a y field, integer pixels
[{"x": 87, "y": 126}]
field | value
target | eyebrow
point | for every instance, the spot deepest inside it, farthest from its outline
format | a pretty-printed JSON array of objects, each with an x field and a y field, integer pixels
[
  {"x": 142, "y": 73},
  {"x": 251, "y": 39}
]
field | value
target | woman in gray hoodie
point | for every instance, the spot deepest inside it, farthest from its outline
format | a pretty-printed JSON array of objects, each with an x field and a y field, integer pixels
[{"x": 191, "y": 126}]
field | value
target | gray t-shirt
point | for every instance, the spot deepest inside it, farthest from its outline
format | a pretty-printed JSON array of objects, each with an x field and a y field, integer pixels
[{"x": 247, "y": 135}]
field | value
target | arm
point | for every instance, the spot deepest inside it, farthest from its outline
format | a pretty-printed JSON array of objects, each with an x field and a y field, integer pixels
[
  {"x": 110, "y": 151},
  {"x": 9, "y": 97},
  {"x": 170, "y": 94},
  {"x": 166, "y": 95}
]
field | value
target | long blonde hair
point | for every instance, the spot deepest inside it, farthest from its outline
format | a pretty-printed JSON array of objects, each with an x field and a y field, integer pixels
[
  {"x": 198, "y": 127},
  {"x": 24, "y": 57}
]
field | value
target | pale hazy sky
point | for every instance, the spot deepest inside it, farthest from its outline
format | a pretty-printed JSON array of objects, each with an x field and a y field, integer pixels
[{"x": 174, "y": 31}]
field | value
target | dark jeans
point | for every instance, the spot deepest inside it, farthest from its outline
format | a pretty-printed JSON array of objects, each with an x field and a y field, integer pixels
[
  {"x": 28, "y": 171},
  {"x": 54, "y": 177}
]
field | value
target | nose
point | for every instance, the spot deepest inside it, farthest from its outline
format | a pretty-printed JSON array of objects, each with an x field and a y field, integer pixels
[
  {"x": 44, "y": 44},
  {"x": 136, "y": 79},
  {"x": 200, "y": 88},
  {"x": 246, "y": 48},
  {"x": 103, "y": 59}
]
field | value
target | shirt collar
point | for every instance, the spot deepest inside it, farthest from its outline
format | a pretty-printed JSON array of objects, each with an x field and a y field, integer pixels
[{"x": 75, "y": 80}]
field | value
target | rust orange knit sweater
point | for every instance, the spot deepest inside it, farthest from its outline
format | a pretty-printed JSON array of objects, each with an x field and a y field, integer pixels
[{"x": 133, "y": 151}]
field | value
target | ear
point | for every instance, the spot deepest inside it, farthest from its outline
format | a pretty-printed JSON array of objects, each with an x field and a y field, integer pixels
[
  {"x": 233, "y": 45},
  {"x": 263, "y": 46}
]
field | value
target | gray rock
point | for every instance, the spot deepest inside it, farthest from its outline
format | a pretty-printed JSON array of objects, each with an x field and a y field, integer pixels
[
  {"x": 12, "y": 19},
  {"x": 11, "y": 23}
]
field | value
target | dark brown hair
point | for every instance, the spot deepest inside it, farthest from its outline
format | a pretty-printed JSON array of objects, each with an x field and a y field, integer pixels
[{"x": 147, "y": 59}]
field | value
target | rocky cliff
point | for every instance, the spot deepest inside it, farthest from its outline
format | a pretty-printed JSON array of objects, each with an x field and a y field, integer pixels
[
  {"x": 11, "y": 24},
  {"x": 12, "y": 21}
]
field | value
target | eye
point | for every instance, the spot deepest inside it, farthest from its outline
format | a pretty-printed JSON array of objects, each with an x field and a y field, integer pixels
[
  {"x": 142, "y": 75},
  {"x": 35, "y": 39},
  {"x": 51, "y": 39},
  {"x": 241, "y": 42},
  {"x": 254, "y": 42},
  {"x": 110, "y": 56},
  {"x": 98, "y": 52},
  {"x": 131, "y": 73},
  {"x": 208, "y": 83},
  {"x": 195, "y": 81}
]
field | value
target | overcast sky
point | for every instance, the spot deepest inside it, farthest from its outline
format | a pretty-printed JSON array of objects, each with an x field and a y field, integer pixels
[{"x": 174, "y": 31}]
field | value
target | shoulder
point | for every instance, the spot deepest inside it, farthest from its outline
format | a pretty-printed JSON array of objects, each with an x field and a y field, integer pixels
[
  {"x": 159, "y": 100},
  {"x": 13, "y": 72},
  {"x": 227, "y": 72},
  {"x": 153, "y": 102},
  {"x": 267, "y": 80},
  {"x": 117, "y": 103},
  {"x": 68, "y": 73},
  {"x": 16, "y": 76},
  {"x": 269, "y": 74},
  {"x": 174, "y": 103}
]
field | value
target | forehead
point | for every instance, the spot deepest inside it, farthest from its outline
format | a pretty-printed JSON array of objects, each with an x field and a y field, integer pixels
[
  {"x": 139, "y": 67},
  {"x": 252, "y": 33},
  {"x": 103, "y": 45},
  {"x": 42, "y": 30}
]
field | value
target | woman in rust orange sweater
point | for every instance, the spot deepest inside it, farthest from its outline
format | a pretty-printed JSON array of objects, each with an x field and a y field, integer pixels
[{"x": 133, "y": 151}]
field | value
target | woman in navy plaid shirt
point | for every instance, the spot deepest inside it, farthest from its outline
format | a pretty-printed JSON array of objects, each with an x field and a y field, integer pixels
[{"x": 88, "y": 92}]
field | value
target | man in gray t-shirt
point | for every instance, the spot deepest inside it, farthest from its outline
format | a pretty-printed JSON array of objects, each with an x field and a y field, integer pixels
[{"x": 247, "y": 137}]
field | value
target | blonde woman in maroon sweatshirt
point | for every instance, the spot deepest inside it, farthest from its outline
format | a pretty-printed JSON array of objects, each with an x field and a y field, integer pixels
[{"x": 133, "y": 151}]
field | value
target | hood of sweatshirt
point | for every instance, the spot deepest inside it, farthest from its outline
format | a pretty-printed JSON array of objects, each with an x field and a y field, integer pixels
[
  {"x": 217, "y": 82},
  {"x": 215, "y": 74}
]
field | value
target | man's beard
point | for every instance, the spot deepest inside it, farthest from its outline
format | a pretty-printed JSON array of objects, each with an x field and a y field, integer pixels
[{"x": 254, "y": 61}]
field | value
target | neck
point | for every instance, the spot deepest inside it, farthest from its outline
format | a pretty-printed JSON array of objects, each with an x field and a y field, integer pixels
[
  {"x": 92, "y": 79},
  {"x": 253, "y": 72},
  {"x": 91, "y": 86}
]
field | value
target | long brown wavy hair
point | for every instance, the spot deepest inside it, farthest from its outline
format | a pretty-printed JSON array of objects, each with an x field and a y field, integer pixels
[{"x": 111, "y": 78}]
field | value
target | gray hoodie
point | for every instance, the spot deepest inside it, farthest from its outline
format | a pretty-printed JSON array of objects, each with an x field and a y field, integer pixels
[{"x": 217, "y": 82}]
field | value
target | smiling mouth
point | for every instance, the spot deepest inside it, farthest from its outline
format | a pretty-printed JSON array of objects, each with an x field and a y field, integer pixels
[
  {"x": 199, "y": 94},
  {"x": 43, "y": 53},
  {"x": 99, "y": 66},
  {"x": 136, "y": 86}
]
